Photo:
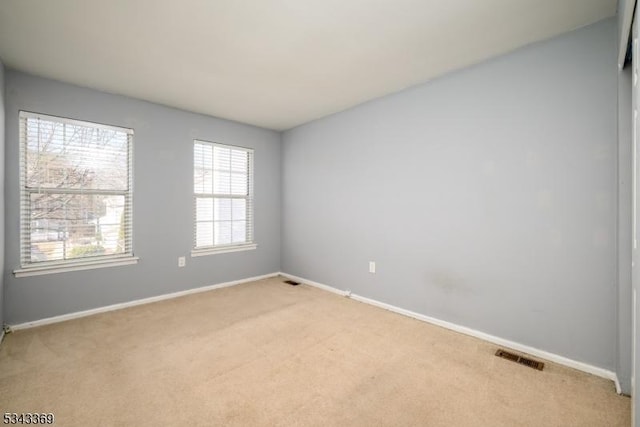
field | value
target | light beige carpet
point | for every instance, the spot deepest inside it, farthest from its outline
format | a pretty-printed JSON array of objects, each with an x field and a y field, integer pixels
[{"x": 266, "y": 353}]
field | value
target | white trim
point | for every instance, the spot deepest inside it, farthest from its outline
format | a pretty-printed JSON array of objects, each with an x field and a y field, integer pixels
[
  {"x": 561, "y": 360},
  {"x": 223, "y": 249},
  {"x": 247, "y": 196},
  {"x": 64, "y": 268},
  {"x": 617, "y": 383},
  {"x": 627, "y": 19},
  {"x": 315, "y": 284},
  {"x": 78, "y": 314},
  {"x": 29, "y": 268}
]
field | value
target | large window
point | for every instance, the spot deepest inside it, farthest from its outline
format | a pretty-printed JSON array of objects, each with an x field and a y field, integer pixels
[
  {"x": 76, "y": 194},
  {"x": 223, "y": 198}
]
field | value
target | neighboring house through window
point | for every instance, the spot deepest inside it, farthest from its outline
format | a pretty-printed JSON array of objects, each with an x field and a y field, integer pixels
[
  {"x": 76, "y": 195},
  {"x": 223, "y": 198}
]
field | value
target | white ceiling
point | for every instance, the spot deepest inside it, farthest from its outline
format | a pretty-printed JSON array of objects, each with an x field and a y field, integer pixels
[{"x": 271, "y": 63}]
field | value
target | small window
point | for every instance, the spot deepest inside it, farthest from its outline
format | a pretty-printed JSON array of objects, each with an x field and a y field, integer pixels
[
  {"x": 76, "y": 194},
  {"x": 223, "y": 198}
]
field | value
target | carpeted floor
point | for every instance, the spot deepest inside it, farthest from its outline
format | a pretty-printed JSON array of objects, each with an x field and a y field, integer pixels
[{"x": 267, "y": 353}]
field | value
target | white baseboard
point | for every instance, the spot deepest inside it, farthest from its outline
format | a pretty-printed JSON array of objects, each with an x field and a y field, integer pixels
[
  {"x": 314, "y": 284},
  {"x": 561, "y": 360},
  {"x": 120, "y": 306}
]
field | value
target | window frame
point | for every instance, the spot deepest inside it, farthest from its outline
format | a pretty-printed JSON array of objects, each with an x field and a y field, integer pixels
[
  {"x": 250, "y": 243},
  {"x": 28, "y": 268}
]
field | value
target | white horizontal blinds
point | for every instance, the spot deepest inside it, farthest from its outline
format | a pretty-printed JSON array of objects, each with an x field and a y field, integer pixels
[
  {"x": 76, "y": 190},
  {"x": 223, "y": 195}
]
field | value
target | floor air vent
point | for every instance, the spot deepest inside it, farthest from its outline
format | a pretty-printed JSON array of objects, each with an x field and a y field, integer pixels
[
  {"x": 521, "y": 360},
  {"x": 292, "y": 283}
]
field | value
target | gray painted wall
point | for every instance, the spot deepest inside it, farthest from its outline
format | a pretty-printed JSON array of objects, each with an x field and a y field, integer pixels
[
  {"x": 2, "y": 319},
  {"x": 487, "y": 197},
  {"x": 625, "y": 160},
  {"x": 163, "y": 191}
]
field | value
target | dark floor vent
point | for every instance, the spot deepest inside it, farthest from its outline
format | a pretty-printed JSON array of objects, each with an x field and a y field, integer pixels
[
  {"x": 292, "y": 283},
  {"x": 521, "y": 360}
]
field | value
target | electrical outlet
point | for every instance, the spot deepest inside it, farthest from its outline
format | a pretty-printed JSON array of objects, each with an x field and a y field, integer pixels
[
  {"x": 372, "y": 267},
  {"x": 181, "y": 261}
]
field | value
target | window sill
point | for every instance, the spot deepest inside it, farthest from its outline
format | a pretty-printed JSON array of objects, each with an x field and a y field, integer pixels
[
  {"x": 76, "y": 266},
  {"x": 223, "y": 249}
]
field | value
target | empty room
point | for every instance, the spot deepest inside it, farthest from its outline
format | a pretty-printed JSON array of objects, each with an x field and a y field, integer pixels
[{"x": 319, "y": 213}]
